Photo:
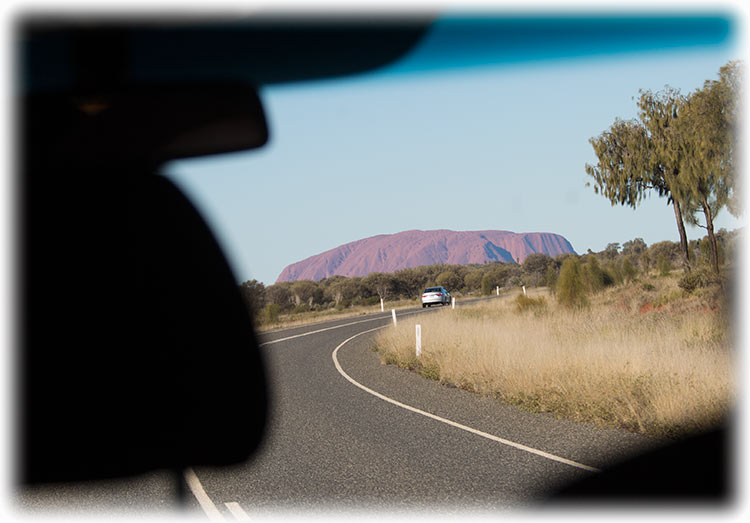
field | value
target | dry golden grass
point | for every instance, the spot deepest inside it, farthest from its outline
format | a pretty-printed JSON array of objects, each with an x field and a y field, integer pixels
[{"x": 647, "y": 360}]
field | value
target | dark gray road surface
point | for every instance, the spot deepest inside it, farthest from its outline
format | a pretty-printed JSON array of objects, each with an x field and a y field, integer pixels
[{"x": 332, "y": 447}]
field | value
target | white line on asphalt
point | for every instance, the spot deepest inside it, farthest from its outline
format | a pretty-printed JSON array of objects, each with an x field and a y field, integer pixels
[
  {"x": 191, "y": 478},
  {"x": 237, "y": 512},
  {"x": 206, "y": 504},
  {"x": 449, "y": 422},
  {"x": 347, "y": 324},
  {"x": 334, "y": 327}
]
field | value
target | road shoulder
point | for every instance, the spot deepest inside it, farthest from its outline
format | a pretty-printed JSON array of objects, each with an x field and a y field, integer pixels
[{"x": 594, "y": 446}]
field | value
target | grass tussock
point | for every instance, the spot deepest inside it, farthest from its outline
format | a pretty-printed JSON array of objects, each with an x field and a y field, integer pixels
[{"x": 655, "y": 361}]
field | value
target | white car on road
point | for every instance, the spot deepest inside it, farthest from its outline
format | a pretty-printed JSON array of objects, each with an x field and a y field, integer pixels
[{"x": 435, "y": 295}]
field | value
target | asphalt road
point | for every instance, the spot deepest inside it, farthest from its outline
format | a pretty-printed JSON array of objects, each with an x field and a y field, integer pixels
[{"x": 349, "y": 434}]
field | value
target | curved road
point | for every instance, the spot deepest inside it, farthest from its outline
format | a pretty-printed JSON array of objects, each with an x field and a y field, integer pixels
[{"x": 347, "y": 433}]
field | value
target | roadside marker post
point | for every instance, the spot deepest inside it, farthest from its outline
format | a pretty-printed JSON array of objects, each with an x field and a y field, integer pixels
[
  {"x": 419, "y": 340},
  {"x": 393, "y": 313},
  {"x": 524, "y": 289},
  {"x": 381, "y": 305},
  {"x": 497, "y": 289},
  {"x": 453, "y": 303}
]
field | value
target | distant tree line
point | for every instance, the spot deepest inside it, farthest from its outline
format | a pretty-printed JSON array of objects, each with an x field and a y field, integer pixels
[
  {"x": 581, "y": 276},
  {"x": 342, "y": 292},
  {"x": 682, "y": 147},
  {"x": 615, "y": 265}
]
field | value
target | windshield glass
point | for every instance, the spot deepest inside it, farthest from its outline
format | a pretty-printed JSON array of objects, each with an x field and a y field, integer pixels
[
  {"x": 572, "y": 178},
  {"x": 505, "y": 133},
  {"x": 572, "y": 156}
]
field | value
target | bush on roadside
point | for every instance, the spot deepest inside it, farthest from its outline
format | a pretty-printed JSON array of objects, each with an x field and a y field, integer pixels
[
  {"x": 271, "y": 313},
  {"x": 613, "y": 272},
  {"x": 486, "y": 285},
  {"x": 690, "y": 281},
  {"x": 571, "y": 291},
  {"x": 663, "y": 265},
  {"x": 302, "y": 307},
  {"x": 371, "y": 300},
  {"x": 550, "y": 278},
  {"x": 698, "y": 278},
  {"x": 629, "y": 272}
]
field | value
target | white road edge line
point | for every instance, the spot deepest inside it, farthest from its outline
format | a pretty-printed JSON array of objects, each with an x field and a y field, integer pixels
[
  {"x": 334, "y": 319},
  {"x": 335, "y": 327},
  {"x": 191, "y": 478},
  {"x": 200, "y": 494},
  {"x": 237, "y": 512},
  {"x": 513, "y": 444}
]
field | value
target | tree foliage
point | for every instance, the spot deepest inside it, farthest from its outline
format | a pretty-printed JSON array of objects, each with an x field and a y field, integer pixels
[
  {"x": 449, "y": 279},
  {"x": 681, "y": 147},
  {"x": 636, "y": 157},
  {"x": 634, "y": 247},
  {"x": 535, "y": 269},
  {"x": 707, "y": 150},
  {"x": 384, "y": 284},
  {"x": 473, "y": 281},
  {"x": 254, "y": 294},
  {"x": 628, "y": 270},
  {"x": 304, "y": 291}
]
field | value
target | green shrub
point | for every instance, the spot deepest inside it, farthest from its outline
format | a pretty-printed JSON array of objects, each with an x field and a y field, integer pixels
[
  {"x": 271, "y": 313},
  {"x": 663, "y": 265},
  {"x": 696, "y": 279},
  {"x": 473, "y": 281},
  {"x": 613, "y": 273},
  {"x": 302, "y": 307},
  {"x": 647, "y": 286},
  {"x": 449, "y": 280},
  {"x": 689, "y": 281},
  {"x": 593, "y": 277},
  {"x": 372, "y": 300},
  {"x": 628, "y": 270},
  {"x": 486, "y": 285},
  {"x": 550, "y": 277},
  {"x": 571, "y": 291}
]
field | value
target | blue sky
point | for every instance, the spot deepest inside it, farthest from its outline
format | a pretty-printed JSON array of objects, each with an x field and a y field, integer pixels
[{"x": 464, "y": 148}]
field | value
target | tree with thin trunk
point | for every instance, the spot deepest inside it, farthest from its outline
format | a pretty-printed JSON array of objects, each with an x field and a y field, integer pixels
[
  {"x": 660, "y": 114},
  {"x": 381, "y": 283},
  {"x": 633, "y": 160},
  {"x": 684, "y": 147},
  {"x": 303, "y": 291},
  {"x": 707, "y": 138}
]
